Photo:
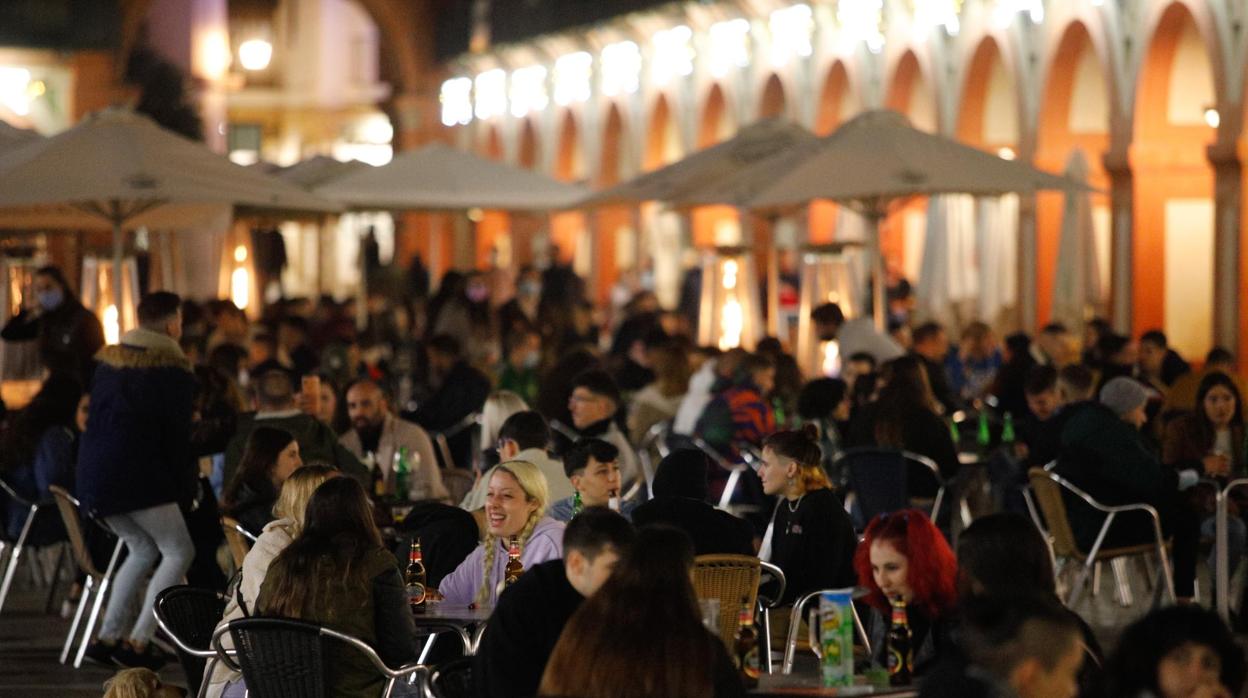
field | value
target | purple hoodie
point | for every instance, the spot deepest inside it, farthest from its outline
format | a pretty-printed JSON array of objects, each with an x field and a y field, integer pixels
[{"x": 460, "y": 586}]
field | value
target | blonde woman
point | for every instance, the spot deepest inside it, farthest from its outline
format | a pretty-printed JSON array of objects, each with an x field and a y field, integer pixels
[
  {"x": 278, "y": 534},
  {"x": 515, "y": 507}
]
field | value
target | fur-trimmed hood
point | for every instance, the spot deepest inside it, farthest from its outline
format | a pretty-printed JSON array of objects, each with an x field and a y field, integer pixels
[{"x": 140, "y": 348}]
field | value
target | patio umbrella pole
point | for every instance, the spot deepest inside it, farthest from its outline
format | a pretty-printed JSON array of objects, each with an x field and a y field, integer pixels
[
  {"x": 875, "y": 218},
  {"x": 118, "y": 282}
]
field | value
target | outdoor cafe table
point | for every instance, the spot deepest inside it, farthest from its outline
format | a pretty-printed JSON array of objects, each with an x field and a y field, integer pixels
[
  {"x": 787, "y": 685},
  {"x": 467, "y": 622}
]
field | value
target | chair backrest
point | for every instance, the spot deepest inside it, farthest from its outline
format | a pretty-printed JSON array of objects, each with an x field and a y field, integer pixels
[
  {"x": 444, "y": 450},
  {"x": 189, "y": 616},
  {"x": 238, "y": 543},
  {"x": 728, "y": 578},
  {"x": 458, "y": 482},
  {"x": 1048, "y": 493},
  {"x": 880, "y": 478},
  {"x": 70, "y": 512},
  {"x": 280, "y": 658},
  {"x": 453, "y": 679}
]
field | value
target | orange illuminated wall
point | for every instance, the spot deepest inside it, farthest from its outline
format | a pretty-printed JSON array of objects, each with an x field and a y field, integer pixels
[
  {"x": 493, "y": 224},
  {"x": 609, "y": 219},
  {"x": 712, "y": 125},
  {"x": 1168, "y": 162},
  {"x": 1056, "y": 141},
  {"x": 567, "y": 228},
  {"x": 822, "y": 214},
  {"x": 907, "y": 79}
]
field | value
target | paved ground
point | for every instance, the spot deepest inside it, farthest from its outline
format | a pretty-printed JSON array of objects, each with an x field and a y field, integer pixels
[
  {"x": 30, "y": 645},
  {"x": 30, "y": 642}
]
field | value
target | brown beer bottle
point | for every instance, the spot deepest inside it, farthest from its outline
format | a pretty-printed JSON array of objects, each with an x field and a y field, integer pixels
[
  {"x": 514, "y": 567},
  {"x": 745, "y": 645},
  {"x": 414, "y": 579},
  {"x": 900, "y": 651}
]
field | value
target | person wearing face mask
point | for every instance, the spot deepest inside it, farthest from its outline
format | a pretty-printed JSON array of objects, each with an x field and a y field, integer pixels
[
  {"x": 520, "y": 313},
  {"x": 467, "y": 317},
  {"x": 519, "y": 372},
  {"x": 69, "y": 335}
]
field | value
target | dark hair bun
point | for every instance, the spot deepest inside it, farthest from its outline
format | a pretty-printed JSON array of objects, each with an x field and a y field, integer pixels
[{"x": 811, "y": 432}]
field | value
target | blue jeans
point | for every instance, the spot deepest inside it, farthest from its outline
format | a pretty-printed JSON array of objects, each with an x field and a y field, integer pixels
[{"x": 158, "y": 533}]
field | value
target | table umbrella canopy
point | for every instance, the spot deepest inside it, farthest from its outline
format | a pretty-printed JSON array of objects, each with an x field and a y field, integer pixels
[
  {"x": 438, "y": 177},
  {"x": 11, "y": 136},
  {"x": 704, "y": 170},
  {"x": 117, "y": 169},
  {"x": 317, "y": 171},
  {"x": 873, "y": 159}
]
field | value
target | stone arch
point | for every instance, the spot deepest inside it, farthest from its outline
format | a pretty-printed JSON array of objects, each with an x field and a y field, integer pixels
[
  {"x": 715, "y": 122},
  {"x": 1076, "y": 108},
  {"x": 528, "y": 155},
  {"x": 910, "y": 92},
  {"x": 1174, "y": 184},
  {"x": 662, "y": 137},
  {"x": 988, "y": 116},
  {"x": 712, "y": 223},
  {"x": 772, "y": 104},
  {"x": 567, "y": 229},
  {"x": 837, "y": 102}
]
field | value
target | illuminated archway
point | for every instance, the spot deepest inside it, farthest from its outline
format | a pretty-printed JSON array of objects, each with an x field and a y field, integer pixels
[
  {"x": 715, "y": 224},
  {"x": 567, "y": 229},
  {"x": 901, "y": 238},
  {"x": 837, "y": 102},
  {"x": 1074, "y": 116},
  {"x": 1174, "y": 207},
  {"x": 613, "y": 225},
  {"x": 772, "y": 104}
]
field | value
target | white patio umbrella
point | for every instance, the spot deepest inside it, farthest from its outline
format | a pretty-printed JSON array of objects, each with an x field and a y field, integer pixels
[
  {"x": 119, "y": 170},
  {"x": 438, "y": 177},
  {"x": 1076, "y": 283},
  {"x": 753, "y": 144},
  {"x": 317, "y": 171},
  {"x": 948, "y": 272},
  {"x": 869, "y": 163},
  {"x": 11, "y": 136}
]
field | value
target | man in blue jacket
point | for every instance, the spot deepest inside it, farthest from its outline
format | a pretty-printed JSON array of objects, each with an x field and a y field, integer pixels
[{"x": 134, "y": 467}]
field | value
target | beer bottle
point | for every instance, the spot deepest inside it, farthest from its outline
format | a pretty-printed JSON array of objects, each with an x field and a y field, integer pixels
[
  {"x": 900, "y": 654},
  {"x": 1007, "y": 429},
  {"x": 954, "y": 432},
  {"x": 982, "y": 436},
  {"x": 401, "y": 470},
  {"x": 514, "y": 567},
  {"x": 414, "y": 579},
  {"x": 377, "y": 478},
  {"x": 577, "y": 504},
  {"x": 745, "y": 645}
]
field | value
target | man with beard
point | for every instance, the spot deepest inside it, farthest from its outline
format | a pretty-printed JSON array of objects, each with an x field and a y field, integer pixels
[{"x": 376, "y": 430}]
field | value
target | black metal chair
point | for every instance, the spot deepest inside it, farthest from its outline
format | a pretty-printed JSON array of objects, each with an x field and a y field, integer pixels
[
  {"x": 880, "y": 479},
  {"x": 283, "y": 658},
  {"x": 452, "y": 679},
  {"x": 18, "y": 545},
  {"x": 189, "y": 615}
]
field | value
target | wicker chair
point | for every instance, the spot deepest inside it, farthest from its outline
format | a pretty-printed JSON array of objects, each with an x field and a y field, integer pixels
[
  {"x": 238, "y": 539},
  {"x": 730, "y": 579},
  {"x": 281, "y": 658},
  {"x": 1047, "y": 487},
  {"x": 452, "y": 680},
  {"x": 96, "y": 587},
  {"x": 188, "y": 616}
]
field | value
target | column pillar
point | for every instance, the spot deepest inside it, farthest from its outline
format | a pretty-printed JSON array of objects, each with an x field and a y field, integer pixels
[
  {"x": 1228, "y": 214},
  {"x": 1122, "y": 222}
]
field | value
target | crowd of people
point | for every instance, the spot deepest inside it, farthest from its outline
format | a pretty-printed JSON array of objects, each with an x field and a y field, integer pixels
[{"x": 500, "y": 419}]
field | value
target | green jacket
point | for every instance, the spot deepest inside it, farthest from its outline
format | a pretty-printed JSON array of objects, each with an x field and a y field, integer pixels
[
  {"x": 317, "y": 442},
  {"x": 370, "y": 606}
]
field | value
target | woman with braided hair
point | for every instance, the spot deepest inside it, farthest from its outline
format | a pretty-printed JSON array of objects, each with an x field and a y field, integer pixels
[{"x": 515, "y": 509}]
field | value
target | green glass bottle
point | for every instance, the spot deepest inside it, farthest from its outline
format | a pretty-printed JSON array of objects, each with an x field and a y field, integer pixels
[
  {"x": 1007, "y": 429},
  {"x": 401, "y": 472},
  {"x": 982, "y": 437},
  {"x": 576, "y": 503},
  {"x": 954, "y": 433}
]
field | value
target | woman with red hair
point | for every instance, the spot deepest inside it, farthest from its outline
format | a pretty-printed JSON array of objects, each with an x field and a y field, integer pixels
[{"x": 904, "y": 556}]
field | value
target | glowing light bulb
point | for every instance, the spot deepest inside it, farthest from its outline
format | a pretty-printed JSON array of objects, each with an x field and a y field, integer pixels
[{"x": 112, "y": 325}]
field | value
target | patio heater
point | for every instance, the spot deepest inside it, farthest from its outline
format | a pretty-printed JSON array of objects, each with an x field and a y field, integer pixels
[
  {"x": 827, "y": 276},
  {"x": 729, "y": 314},
  {"x": 237, "y": 277},
  {"x": 114, "y": 302}
]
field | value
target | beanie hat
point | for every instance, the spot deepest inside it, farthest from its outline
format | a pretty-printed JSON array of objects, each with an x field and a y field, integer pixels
[{"x": 1123, "y": 394}]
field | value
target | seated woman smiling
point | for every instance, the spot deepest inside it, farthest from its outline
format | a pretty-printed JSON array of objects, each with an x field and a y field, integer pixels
[{"x": 515, "y": 508}]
